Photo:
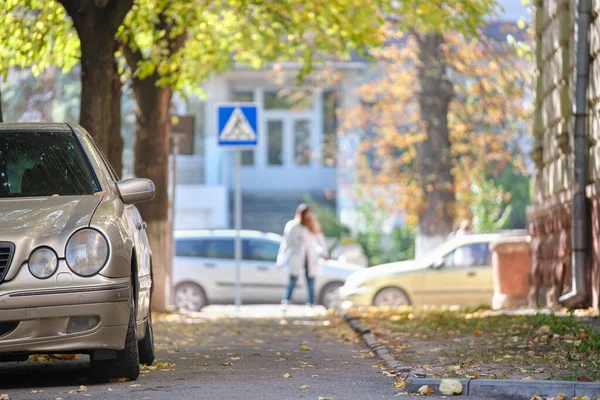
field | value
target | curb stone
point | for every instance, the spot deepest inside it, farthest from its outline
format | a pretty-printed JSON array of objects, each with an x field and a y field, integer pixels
[
  {"x": 489, "y": 388},
  {"x": 509, "y": 389},
  {"x": 375, "y": 346}
]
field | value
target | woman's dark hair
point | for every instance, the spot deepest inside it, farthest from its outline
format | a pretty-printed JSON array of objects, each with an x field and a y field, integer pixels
[{"x": 302, "y": 213}]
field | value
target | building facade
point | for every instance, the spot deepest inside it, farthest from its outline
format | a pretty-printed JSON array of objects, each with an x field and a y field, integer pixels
[
  {"x": 554, "y": 185},
  {"x": 296, "y": 157}
]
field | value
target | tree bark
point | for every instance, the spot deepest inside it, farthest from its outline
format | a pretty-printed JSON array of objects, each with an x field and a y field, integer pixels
[
  {"x": 152, "y": 148},
  {"x": 434, "y": 160},
  {"x": 151, "y": 151},
  {"x": 115, "y": 143},
  {"x": 96, "y": 22}
]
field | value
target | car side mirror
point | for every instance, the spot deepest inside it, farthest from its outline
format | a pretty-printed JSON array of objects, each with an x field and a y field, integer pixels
[
  {"x": 136, "y": 190},
  {"x": 437, "y": 264}
]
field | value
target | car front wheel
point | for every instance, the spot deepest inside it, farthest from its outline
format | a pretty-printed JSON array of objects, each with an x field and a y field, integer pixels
[
  {"x": 391, "y": 297},
  {"x": 127, "y": 362}
]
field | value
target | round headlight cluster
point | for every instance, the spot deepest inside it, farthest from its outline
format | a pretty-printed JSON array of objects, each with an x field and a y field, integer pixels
[
  {"x": 87, "y": 252},
  {"x": 43, "y": 263}
]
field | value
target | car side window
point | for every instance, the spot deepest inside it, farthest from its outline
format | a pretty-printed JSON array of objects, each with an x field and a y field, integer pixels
[
  {"x": 469, "y": 255},
  {"x": 189, "y": 248},
  {"x": 220, "y": 248},
  {"x": 260, "y": 250}
]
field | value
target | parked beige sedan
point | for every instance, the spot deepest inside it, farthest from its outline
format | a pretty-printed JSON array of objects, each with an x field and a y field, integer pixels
[{"x": 75, "y": 266}]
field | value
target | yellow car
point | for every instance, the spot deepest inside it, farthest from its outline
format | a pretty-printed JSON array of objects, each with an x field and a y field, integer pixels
[{"x": 459, "y": 272}]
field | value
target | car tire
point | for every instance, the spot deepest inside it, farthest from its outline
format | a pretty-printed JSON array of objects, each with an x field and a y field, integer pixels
[
  {"x": 127, "y": 362},
  {"x": 391, "y": 297},
  {"x": 190, "y": 297},
  {"x": 146, "y": 345},
  {"x": 329, "y": 296}
]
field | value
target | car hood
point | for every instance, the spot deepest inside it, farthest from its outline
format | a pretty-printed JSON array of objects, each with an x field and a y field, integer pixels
[
  {"x": 42, "y": 221},
  {"x": 396, "y": 268},
  {"x": 335, "y": 269}
]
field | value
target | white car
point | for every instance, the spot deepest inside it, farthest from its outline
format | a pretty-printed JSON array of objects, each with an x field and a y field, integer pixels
[{"x": 204, "y": 271}]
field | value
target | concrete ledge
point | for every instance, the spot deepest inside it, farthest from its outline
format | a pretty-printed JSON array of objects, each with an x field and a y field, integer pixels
[{"x": 509, "y": 389}]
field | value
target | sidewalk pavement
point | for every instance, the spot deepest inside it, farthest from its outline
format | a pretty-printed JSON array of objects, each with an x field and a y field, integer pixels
[
  {"x": 262, "y": 355},
  {"x": 477, "y": 388}
]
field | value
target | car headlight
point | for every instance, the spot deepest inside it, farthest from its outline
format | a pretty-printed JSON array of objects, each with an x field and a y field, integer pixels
[
  {"x": 43, "y": 263},
  {"x": 87, "y": 252}
]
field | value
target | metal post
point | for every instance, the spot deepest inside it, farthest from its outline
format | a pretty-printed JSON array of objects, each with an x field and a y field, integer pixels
[
  {"x": 238, "y": 227},
  {"x": 580, "y": 216},
  {"x": 175, "y": 153}
]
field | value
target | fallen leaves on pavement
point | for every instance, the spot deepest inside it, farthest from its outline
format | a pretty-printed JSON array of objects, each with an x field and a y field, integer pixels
[
  {"x": 46, "y": 358},
  {"x": 287, "y": 375},
  {"x": 425, "y": 390},
  {"x": 450, "y": 342},
  {"x": 305, "y": 387}
]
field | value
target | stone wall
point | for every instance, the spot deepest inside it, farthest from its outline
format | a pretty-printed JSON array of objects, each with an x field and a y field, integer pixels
[{"x": 553, "y": 129}]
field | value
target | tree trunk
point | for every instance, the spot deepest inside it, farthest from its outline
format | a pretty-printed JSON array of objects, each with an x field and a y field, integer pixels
[
  {"x": 96, "y": 22},
  {"x": 434, "y": 161},
  {"x": 1, "y": 117},
  {"x": 152, "y": 148},
  {"x": 115, "y": 143}
]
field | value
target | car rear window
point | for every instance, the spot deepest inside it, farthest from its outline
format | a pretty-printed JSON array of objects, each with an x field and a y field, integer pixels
[{"x": 44, "y": 164}]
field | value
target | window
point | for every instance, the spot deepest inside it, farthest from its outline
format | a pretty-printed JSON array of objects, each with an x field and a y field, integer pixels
[
  {"x": 245, "y": 96},
  {"x": 302, "y": 142},
  {"x": 219, "y": 248},
  {"x": 275, "y": 140},
  {"x": 44, "y": 164},
  {"x": 189, "y": 248},
  {"x": 470, "y": 255},
  {"x": 287, "y": 99},
  {"x": 329, "y": 128},
  {"x": 260, "y": 250}
]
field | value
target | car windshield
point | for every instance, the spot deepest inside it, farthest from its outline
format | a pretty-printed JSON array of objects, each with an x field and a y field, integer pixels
[{"x": 44, "y": 164}]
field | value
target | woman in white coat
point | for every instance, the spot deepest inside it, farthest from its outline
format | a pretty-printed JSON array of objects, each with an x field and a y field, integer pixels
[{"x": 302, "y": 247}]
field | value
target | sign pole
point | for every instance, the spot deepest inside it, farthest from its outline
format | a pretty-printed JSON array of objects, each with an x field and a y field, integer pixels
[{"x": 238, "y": 227}]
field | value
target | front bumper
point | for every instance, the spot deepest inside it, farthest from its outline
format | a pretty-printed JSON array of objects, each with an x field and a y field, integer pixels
[
  {"x": 37, "y": 321},
  {"x": 361, "y": 296}
]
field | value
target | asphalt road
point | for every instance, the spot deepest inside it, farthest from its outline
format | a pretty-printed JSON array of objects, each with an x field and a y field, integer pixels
[{"x": 258, "y": 354}]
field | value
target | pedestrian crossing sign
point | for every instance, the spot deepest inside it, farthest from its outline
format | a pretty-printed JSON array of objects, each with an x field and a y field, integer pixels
[{"x": 237, "y": 125}]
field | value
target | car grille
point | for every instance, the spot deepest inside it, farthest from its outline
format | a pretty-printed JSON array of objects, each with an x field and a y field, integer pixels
[{"x": 6, "y": 254}]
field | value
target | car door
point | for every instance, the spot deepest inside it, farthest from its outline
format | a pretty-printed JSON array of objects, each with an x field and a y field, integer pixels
[
  {"x": 218, "y": 262},
  {"x": 464, "y": 278},
  {"x": 262, "y": 281},
  {"x": 208, "y": 262}
]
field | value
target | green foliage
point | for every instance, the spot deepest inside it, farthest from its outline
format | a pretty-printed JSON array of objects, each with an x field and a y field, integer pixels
[
  {"x": 36, "y": 34},
  {"x": 332, "y": 228},
  {"x": 488, "y": 208},
  {"x": 218, "y": 34},
  {"x": 462, "y": 16},
  {"x": 370, "y": 236},
  {"x": 518, "y": 185},
  {"x": 403, "y": 243}
]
